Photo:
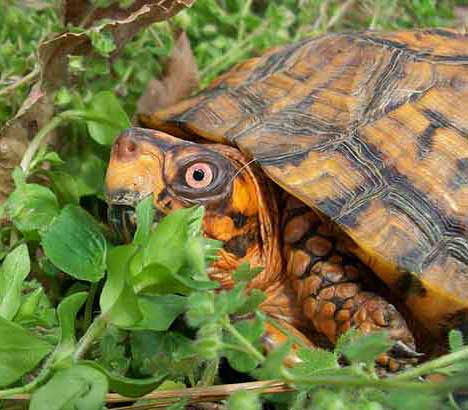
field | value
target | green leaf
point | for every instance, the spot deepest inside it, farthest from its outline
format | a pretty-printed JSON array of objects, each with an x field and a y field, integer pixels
[
  {"x": 209, "y": 341},
  {"x": 156, "y": 353},
  {"x": 52, "y": 158},
  {"x": 344, "y": 339},
  {"x": 195, "y": 284},
  {"x": 18, "y": 177},
  {"x": 366, "y": 348},
  {"x": 113, "y": 350},
  {"x": 455, "y": 338},
  {"x": 118, "y": 299},
  {"x": 245, "y": 273},
  {"x": 195, "y": 256},
  {"x": 413, "y": 401},
  {"x": 166, "y": 243},
  {"x": 199, "y": 252},
  {"x": 29, "y": 306},
  {"x": 195, "y": 221},
  {"x": 66, "y": 312},
  {"x": 20, "y": 352},
  {"x": 106, "y": 105},
  {"x": 79, "y": 388},
  {"x": 88, "y": 171},
  {"x": 102, "y": 41},
  {"x": 75, "y": 244},
  {"x": 32, "y": 207},
  {"x": 76, "y": 64},
  {"x": 126, "y": 386},
  {"x": 324, "y": 399},
  {"x": 166, "y": 266},
  {"x": 145, "y": 217},
  {"x": 251, "y": 302},
  {"x": 159, "y": 311},
  {"x": 244, "y": 400},
  {"x": 252, "y": 330},
  {"x": 232, "y": 300},
  {"x": 201, "y": 308},
  {"x": 14, "y": 270},
  {"x": 313, "y": 361},
  {"x": 156, "y": 278},
  {"x": 63, "y": 97},
  {"x": 65, "y": 186},
  {"x": 272, "y": 367}
]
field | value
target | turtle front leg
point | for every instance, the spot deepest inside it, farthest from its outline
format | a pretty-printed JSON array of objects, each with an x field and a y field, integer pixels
[{"x": 330, "y": 286}]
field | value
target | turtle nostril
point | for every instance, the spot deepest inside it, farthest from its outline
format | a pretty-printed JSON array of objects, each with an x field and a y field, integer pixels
[
  {"x": 126, "y": 149},
  {"x": 130, "y": 147}
]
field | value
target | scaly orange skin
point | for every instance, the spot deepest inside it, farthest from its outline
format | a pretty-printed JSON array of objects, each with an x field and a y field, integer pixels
[{"x": 311, "y": 285}]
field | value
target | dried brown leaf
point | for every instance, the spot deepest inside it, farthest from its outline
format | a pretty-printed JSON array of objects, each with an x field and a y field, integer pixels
[
  {"x": 54, "y": 53},
  {"x": 35, "y": 112},
  {"x": 82, "y": 13},
  {"x": 180, "y": 79},
  {"x": 36, "y": 4}
]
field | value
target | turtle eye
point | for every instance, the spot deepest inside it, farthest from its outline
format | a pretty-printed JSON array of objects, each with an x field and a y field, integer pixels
[{"x": 198, "y": 175}]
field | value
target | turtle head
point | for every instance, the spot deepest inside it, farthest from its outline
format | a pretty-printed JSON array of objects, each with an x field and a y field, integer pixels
[{"x": 240, "y": 206}]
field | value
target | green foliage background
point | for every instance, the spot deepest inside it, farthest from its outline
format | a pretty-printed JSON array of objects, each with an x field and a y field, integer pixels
[{"x": 152, "y": 322}]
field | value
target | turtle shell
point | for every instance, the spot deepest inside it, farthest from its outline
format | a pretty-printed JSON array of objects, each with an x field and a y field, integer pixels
[{"x": 370, "y": 129}]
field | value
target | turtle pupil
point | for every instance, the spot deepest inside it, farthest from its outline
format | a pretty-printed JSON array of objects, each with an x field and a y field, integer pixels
[{"x": 198, "y": 175}]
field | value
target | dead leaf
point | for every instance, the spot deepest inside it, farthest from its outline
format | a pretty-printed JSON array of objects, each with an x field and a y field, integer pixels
[
  {"x": 54, "y": 53},
  {"x": 35, "y": 112},
  {"x": 180, "y": 79},
  {"x": 82, "y": 13},
  {"x": 35, "y": 4}
]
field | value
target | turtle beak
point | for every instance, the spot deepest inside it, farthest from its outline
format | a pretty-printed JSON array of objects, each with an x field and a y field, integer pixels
[
  {"x": 123, "y": 221},
  {"x": 135, "y": 171}
]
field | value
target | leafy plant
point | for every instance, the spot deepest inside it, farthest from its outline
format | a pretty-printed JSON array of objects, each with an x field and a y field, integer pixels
[{"x": 81, "y": 316}]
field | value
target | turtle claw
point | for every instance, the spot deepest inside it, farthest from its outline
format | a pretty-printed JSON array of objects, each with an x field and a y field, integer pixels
[
  {"x": 399, "y": 357},
  {"x": 401, "y": 350}
]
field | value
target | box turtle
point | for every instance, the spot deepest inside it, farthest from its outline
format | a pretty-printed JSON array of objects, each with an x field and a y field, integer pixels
[{"x": 324, "y": 162}]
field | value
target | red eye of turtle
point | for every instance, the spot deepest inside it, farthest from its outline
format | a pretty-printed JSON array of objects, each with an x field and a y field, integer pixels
[{"x": 198, "y": 175}]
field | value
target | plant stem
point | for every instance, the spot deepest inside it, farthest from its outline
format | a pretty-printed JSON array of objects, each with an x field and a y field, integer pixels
[
  {"x": 41, "y": 377},
  {"x": 225, "y": 60},
  {"x": 319, "y": 22},
  {"x": 453, "y": 403},
  {"x": 27, "y": 387},
  {"x": 37, "y": 142},
  {"x": 383, "y": 384},
  {"x": 210, "y": 372},
  {"x": 242, "y": 340},
  {"x": 23, "y": 81},
  {"x": 434, "y": 365},
  {"x": 88, "y": 313},
  {"x": 55, "y": 122},
  {"x": 375, "y": 16},
  {"x": 96, "y": 329},
  {"x": 340, "y": 13},
  {"x": 230, "y": 346},
  {"x": 245, "y": 11}
]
